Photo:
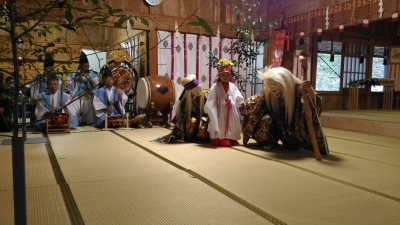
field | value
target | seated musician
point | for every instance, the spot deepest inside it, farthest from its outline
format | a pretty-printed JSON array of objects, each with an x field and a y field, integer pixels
[
  {"x": 189, "y": 114},
  {"x": 108, "y": 100},
  {"x": 53, "y": 101},
  {"x": 39, "y": 84}
]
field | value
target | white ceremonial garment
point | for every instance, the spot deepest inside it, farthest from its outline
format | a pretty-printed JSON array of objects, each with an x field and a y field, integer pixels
[
  {"x": 99, "y": 101},
  {"x": 224, "y": 123},
  {"x": 40, "y": 86},
  {"x": 53, "y": 99},
  {"x": 83, "y": 109}
]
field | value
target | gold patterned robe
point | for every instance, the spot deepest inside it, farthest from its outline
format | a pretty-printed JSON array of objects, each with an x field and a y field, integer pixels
[
  {"x": 267, "y": 129},
  {"x": 187, "y": 129}
]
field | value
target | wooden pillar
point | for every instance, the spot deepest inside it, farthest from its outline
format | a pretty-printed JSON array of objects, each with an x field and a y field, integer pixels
[
  {"x": 353, "y": 96},
  {"x": 388, "y": 96}
]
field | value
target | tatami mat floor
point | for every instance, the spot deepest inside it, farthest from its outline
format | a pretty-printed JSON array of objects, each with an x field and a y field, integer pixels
[{"x": 120, "y": 177}]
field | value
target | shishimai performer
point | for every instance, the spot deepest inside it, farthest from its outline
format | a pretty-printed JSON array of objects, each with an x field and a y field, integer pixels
[
  {"x": 277, "y": 113},
  {"x": 189, "y": 114}
]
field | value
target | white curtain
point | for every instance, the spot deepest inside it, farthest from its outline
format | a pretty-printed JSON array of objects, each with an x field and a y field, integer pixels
[
  {"x": 215, "y": 49},
  {"x": 164, "y": 53},
  {"x": 191, "y": 54},
  {"x": 204, "y": 68},
  {"x": 226, "y": 45},
  {"x": 132, "y": 48},
  {"x": 182, "y": 54},
  {"x": 179, "y": 64}
]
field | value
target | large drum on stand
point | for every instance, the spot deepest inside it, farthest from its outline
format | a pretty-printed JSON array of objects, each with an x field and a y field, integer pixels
[{"x": 155, "y": 94}]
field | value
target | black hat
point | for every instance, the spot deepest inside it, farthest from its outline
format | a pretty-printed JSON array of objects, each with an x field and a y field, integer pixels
[
  {"x": 106, "y": 72},
  {"x": 48, "y": 61},
  {"x": 83, "y": 58}
]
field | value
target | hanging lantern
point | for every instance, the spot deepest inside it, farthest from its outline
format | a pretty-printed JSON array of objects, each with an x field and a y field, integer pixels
[
  {"x": 301, "y": 40},
  {"x": 341, "y": 32},
  {"x": 385, "y": 60},
  {"x": 365, "y": 27},
  {"x": 361, "y": 58},
  {"x": 395, "y": 21},
  {"x": 20, "y": 60},
  {"x": 319, "y": 35}
]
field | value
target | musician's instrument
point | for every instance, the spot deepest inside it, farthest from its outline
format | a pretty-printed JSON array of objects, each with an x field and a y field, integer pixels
[
  {"x": 57, "y": 122},
  {"x": 123, "y": 79},
  {"x": 115, "y": 121},
  {"x": 156, "y": 92}
]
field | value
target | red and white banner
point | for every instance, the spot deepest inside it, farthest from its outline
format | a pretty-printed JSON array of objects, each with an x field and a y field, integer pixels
[{"x": 278, "y": 43}]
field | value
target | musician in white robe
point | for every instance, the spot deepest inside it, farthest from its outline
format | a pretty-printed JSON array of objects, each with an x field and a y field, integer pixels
[
  {"x": 82, "y": 84},
  {"x": 39, "y": 83},
  {"x": 54, "y": 101},
  {"x": 108, "y": 100},
  {"x": 221, "y": 106}
]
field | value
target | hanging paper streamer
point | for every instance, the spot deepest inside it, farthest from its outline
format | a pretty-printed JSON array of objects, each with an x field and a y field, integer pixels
[
  {"x": 128, "y": 26},
  {"x": 177, "y": 34},
  {"x": 278, "y": 43},
  {"x": 327, "y": 18},
  {"x": 365, "y": 27},
  {"x": 301, "y": 40},
  {"x": 218, "y": 33},
  {"x": 380, "y": 8},
  {"x": 341, "y": 32},
  {"x": 332, "y": 58},
  {"x": 319, "y": 35},
  {"x": 395, "y": 21}
]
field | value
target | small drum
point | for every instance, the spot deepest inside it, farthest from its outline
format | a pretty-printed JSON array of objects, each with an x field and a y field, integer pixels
[
  {"x": 115, "y": 121},
  {"x": 57, "y": 118},
  {"x": 158, "y": 90},
  {"x": 123, "y": 79},
  {"x": 57, "y": 122}
]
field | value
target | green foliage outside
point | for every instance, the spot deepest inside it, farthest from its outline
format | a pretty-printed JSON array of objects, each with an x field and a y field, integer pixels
[{"x": 328, "y": 73}]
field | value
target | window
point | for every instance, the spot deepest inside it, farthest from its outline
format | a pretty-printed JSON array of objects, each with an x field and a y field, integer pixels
[
  {"x": 354, "y": 64},
  {"x": 256, "y": 83},
  {"x": 378, "y": 69},
  {"x": 328, "y": 66}
]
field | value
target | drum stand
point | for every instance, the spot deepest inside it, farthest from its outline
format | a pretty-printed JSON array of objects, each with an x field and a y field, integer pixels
[
  {"x": 120, "y": 128},
  {"x": 126, "y": 123}
]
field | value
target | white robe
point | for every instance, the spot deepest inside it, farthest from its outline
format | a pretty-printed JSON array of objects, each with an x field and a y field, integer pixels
[
  {"x": 53, "y": 102},
  {"x": 83, "y": 108},
  {"x": 103, "y": 96},
  {"x": 219, "y": 115},
  {"x": 40, "y": 86}
]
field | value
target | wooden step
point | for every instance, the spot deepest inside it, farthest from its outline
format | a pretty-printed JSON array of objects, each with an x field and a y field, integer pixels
[{"x": 383, "y": 123}]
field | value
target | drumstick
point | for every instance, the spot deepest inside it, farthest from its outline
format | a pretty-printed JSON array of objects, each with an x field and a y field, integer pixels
[
  {"x": 61, "y": 93},
  {"x": 307, "y": 109}
]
